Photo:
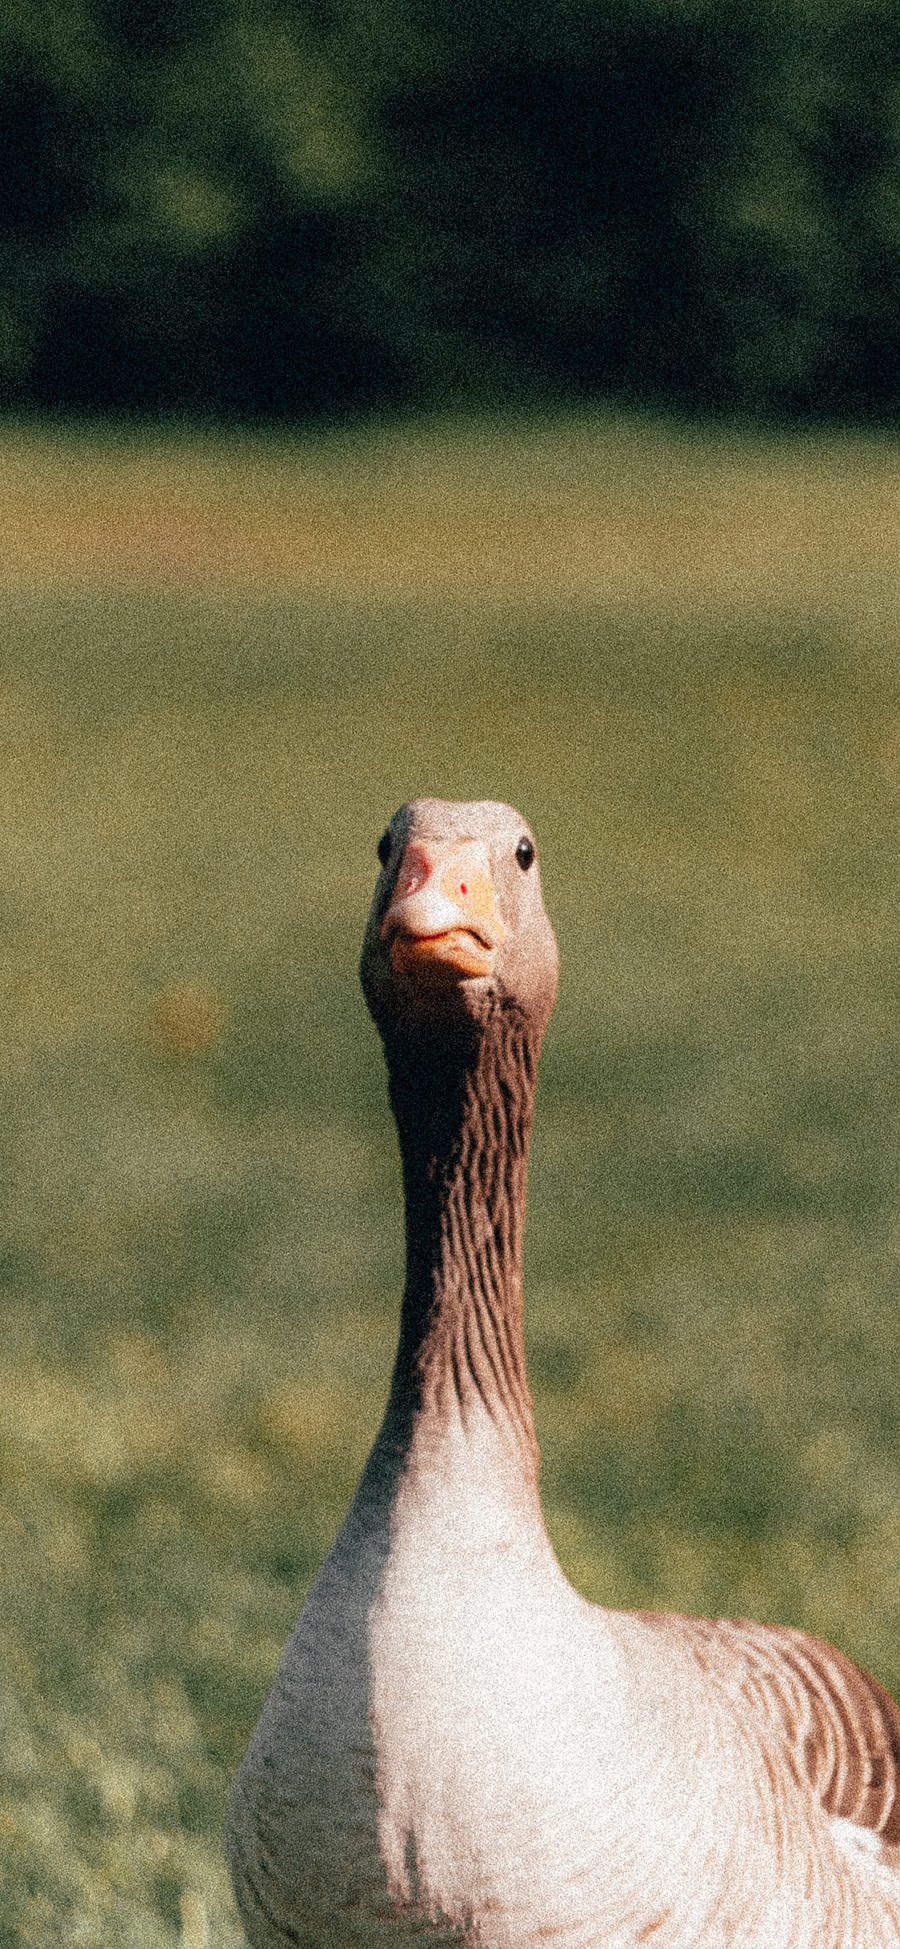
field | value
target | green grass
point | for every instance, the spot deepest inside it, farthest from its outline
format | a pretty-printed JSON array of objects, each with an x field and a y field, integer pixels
[{"x": 223, "y": 664}]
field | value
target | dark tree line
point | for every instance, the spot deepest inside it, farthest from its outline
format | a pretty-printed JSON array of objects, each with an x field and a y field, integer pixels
[{"x": 277, "y": 207}]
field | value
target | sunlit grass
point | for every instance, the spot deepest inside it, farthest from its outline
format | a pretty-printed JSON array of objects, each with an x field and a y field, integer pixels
[{"x": 224, "y": 663}]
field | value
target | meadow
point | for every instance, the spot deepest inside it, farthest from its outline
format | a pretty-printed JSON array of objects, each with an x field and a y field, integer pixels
[{"x": 223, "y": 662}]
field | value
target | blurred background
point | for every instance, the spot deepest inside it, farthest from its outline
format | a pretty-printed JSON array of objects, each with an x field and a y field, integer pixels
[
  {"x": 488, "y": 402},
  {"x": 290, "y": 208}
]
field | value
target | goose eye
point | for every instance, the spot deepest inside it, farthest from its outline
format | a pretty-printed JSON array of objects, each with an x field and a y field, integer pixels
[
  {"x": 384, "y": 848},
  {"x": 525, "y": 854}
]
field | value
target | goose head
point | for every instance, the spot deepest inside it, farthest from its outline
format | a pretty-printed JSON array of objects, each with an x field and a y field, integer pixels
[{"x": 458, "y": 924}]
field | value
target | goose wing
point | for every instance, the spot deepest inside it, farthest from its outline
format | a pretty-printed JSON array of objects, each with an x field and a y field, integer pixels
[{"x": 837, "y": 1728}]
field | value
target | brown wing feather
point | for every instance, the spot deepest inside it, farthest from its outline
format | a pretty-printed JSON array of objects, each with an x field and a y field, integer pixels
[{"x": 839, "y": 1728}]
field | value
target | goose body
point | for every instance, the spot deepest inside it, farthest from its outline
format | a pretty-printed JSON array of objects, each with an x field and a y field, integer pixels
[{"x": 457, "y": 1749}]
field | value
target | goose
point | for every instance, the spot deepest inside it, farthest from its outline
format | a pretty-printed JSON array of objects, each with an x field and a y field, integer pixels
[{"x": 457, "y": 1748}]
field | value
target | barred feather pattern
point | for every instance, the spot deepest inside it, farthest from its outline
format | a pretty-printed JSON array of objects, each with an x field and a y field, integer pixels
[{"x": 837, "y": 1727}]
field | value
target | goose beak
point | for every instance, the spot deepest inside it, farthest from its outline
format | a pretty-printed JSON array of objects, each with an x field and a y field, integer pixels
[{"x": 443, "y": 918}]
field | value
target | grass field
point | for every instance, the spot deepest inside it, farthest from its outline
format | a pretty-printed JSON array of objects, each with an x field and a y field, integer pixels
[{"x": 223, "y": 663}]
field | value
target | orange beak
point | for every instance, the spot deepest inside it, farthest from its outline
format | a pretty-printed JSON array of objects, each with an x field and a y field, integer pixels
[{"x": 443, "y": 916}]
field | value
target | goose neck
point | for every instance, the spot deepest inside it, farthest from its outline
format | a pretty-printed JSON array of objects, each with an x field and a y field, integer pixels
[{"x": 464, "y": 1122}]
